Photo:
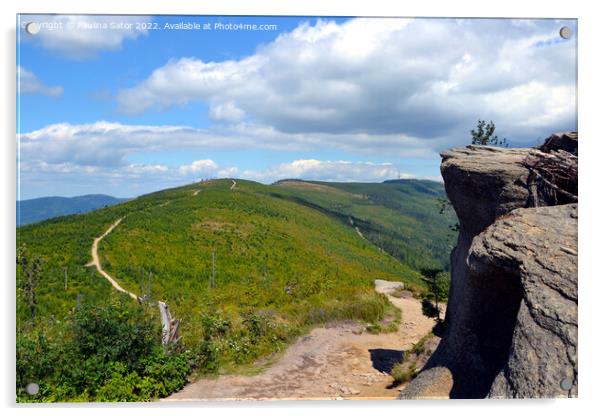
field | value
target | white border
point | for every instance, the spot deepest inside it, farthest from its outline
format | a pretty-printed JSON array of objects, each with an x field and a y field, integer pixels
[{"x": 589, "y": 225}]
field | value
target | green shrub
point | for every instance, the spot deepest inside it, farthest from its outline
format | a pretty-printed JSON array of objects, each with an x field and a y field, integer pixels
[
  {"x": 112, "y": 353},
  {"x": 206, "y": 357},
  {"x": 418, "y": 348},
  {"x": 403, "y": 374},
  {"x": 215, "y": 325},
  {"x": 374, "y": 329}
]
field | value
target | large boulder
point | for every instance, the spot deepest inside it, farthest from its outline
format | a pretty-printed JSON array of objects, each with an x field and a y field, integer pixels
[
  {"x": 538, "y": 248},
  {"x": 566, "y": 141},
  {"x": 511, "y": 317},
  {"x": 484, "y": 182}
]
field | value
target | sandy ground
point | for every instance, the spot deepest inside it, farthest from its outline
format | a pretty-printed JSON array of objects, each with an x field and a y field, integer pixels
[{"x": 336, "y": 362}]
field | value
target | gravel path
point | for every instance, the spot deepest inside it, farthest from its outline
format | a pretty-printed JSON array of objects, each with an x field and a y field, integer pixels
[
  {"x": 334, "y": 362},
  {"x": 96, "y": 261}
]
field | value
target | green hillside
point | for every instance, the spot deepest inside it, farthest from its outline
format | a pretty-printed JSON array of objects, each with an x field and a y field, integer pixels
[
  {"x": 281, "y": 266},
  {"x": 270, "y": 253},
  {"x": 400, "y": 216}
]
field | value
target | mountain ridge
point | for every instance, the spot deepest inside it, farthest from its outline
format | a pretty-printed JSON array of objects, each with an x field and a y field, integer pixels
[{"x": 34, "y": 210}]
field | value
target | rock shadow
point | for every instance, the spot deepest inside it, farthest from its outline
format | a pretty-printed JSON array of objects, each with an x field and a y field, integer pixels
[{"x": 383, "y": 359}]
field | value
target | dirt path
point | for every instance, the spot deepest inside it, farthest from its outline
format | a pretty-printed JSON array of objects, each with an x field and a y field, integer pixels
[
  {"x": 96, "y": 262},
  {"x": 334, "y": 362},
  {"x": 357, "y": 230},
  {"x": 233, "y": 184}
]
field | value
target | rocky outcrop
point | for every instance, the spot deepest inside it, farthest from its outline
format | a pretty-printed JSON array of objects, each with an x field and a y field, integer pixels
[
  {"x": 561, "y": 141},
  {"x": 512, "y": 313},
  {"x": 538, "y": 248}
]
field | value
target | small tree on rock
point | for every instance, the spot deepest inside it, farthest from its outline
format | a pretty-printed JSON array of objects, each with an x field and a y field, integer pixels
[{"x": 483, "y": 135}]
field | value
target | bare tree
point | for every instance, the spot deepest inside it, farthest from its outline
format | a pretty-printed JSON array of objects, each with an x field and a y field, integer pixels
[{"x": 31, "y": 266}]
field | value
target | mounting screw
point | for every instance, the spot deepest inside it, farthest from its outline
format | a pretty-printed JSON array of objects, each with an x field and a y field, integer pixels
[
  {"x": 32, "y": 389},
  {"x": 33, "y": 28},
  {"x": 566, "y": 384},
  {"x": 565, "y": 32}
]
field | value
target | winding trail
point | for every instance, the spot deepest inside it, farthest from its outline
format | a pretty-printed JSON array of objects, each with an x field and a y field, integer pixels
[
  {"x": 233, "y": 184},
  {"x": 338, "y": 361},
  {"x": 357, "y": 230},
  {"x": 96, "y": 262}
]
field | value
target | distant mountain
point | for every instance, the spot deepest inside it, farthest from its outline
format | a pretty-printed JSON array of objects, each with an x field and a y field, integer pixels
[{"x": 38, "y": 209}]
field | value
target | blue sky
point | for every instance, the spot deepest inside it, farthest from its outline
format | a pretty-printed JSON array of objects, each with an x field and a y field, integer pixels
[{"x": 126, "y": 111}]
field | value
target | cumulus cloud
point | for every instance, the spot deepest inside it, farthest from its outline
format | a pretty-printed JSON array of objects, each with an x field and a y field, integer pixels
[
  {"x": 205, "y": 166},
  {"x": 110, "y": 144},
  {"x": 41, "y": 178},
  {"x": 339, "y": 171},
  {"x": 376, "y": 89},
  {"x": 141, "y": 169},
  {"x": 30, "y": 84},
  {"x": 426, "y": 78},
  {"x": 82, "y": 37},
  {"x": 227, "y": 172},
  {"x": 226, "y": 112}
]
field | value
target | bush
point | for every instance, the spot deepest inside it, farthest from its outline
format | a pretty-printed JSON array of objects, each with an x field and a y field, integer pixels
[
  {"x": 206, "y": 357},
  {"x": 113, "y": 353},
  {"x": 374, "y": 329},
  {"x": 214, "y": 325},
  {"x": 402, "y": 373},
  {"x": 418, "y": 348}
]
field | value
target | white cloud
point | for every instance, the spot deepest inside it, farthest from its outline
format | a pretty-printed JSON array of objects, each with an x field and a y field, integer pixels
[
  {"x": 206, "y": 166},
  {"x": 226, "y": 112},
  {"x": 43, "y": 167},
  {"x": 40, "y": 178},
  {"x": 379, "y": 89},
  {"x": 227, "y": 172},
  {"x": 82, "y": 37},
  {"x": 141, "y": 169},
  {"x": 110, "y": 144},
  {"x": 419, "y": 78},
  {"x": 341, "y": 171},
  {"x": 30, "y": 84}
]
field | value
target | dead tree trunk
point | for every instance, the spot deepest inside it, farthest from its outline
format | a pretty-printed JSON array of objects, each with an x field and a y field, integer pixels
[{"x": 170, "y": 334}]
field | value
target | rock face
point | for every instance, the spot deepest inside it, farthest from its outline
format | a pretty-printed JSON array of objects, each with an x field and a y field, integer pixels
[
  {"x": 512, "y": 312},
  {"x": 538, "y": 248},
  {"x": 561, "y": 141}
]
